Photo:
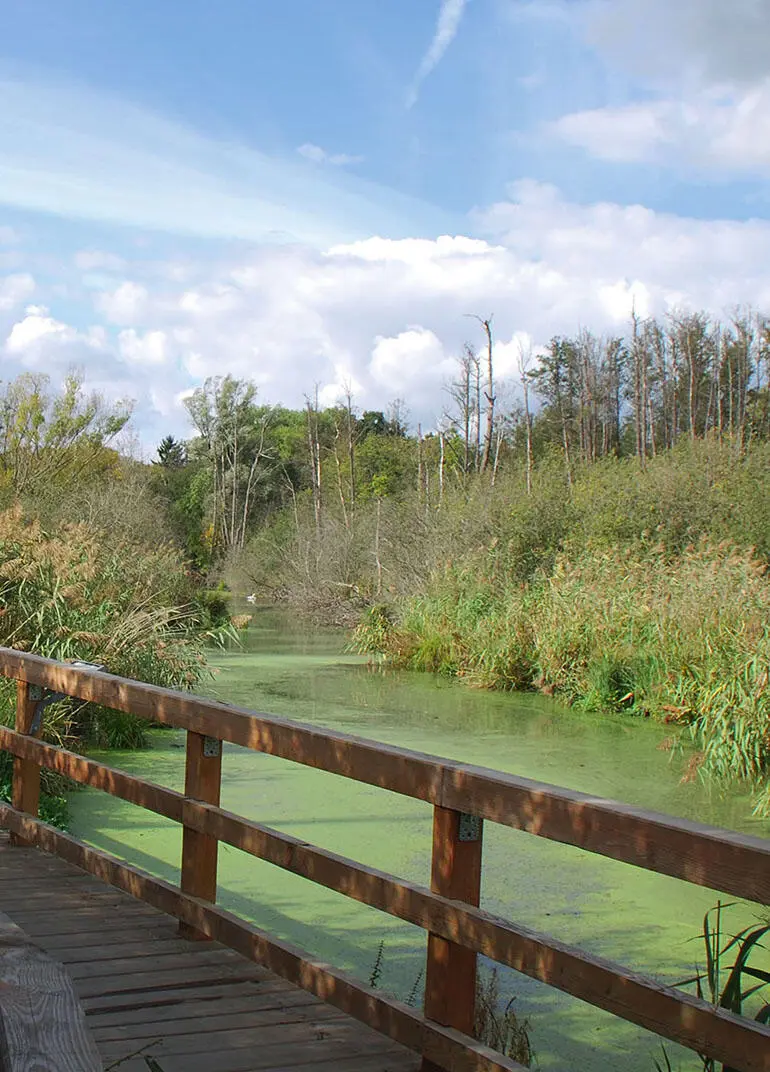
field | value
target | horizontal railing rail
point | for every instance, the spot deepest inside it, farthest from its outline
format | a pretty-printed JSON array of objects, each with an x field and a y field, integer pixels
[{"x": 458, "y": 929}]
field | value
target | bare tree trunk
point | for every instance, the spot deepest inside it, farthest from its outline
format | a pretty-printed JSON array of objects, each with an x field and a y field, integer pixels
[
  {"x": 652, "y": 428},
  {"x": 351, "y": 446},
  {"x": 478, "y": 416},
  {"x": 377, "y": 560},
  {"x": 441, "y": 467},
  {"x": 691, "y": 391},
  {"x": 498, "y": 443},
  {"x": 524, "y": 377},
  {"x": 315, "y": 459},
  {"x": 420, "y": 465},
  {"x": 489, "y": 395},
  {"x": 340, "y": 489}
]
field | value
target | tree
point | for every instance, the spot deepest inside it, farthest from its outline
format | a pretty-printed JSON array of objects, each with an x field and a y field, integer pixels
[
  {"x": 171, "y": 453},
  {"x": 524, "y": 358},
  {"x": 489, "y": 396},
  {"x": 463, "y": 414},
  {"x": 233, "y": 435},
  {"x": 48, "y": 436}
]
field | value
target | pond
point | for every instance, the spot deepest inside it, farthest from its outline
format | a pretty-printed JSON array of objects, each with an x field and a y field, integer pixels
[{"x": 645, "y": 921}]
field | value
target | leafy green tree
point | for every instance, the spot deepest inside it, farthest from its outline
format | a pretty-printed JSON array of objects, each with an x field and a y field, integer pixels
[
  {"x": 47, "y": 436},
  {"x": 234, "y": 441}
]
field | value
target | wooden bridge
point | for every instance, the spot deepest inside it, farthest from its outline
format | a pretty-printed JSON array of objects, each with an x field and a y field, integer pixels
[{"x": 246, "y": 1000}]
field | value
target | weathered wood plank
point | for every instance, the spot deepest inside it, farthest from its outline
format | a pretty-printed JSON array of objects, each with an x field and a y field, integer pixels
[
  {"x": 186, "y": 1018},
  {"x": 446, "y": 1047},
  {"x": 611, "y": 987},
  {"x": 42, "y": 1025},
  {"x": 600, "y": 982}
]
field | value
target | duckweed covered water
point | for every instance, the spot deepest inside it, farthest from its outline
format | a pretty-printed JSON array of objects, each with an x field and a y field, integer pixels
[{"x": 645, "y": 921}]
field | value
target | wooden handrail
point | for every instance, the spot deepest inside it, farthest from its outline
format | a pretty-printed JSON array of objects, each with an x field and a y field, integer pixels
[
  {"x": 722, "y": 860},
  {"x": 459, "y": 930}
]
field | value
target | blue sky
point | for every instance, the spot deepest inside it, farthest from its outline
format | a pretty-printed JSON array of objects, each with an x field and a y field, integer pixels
[{"x": 188, "y": 188}]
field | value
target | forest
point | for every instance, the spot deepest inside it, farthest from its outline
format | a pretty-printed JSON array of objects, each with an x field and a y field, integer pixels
[{"x": 598, "y": 528}]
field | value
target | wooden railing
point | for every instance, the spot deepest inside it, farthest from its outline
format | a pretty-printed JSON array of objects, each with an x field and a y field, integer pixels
[{"x": 462, "y": 797}]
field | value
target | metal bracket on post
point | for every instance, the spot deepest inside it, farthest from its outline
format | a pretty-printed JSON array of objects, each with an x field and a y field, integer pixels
[
  {"x": 212, "y": 747},
  {"x": 469, "y": 827},
  {"x": 45, "y": 696}
]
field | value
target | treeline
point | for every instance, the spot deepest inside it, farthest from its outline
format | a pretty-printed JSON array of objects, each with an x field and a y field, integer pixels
[
  {"x": 599, "y": 529},
  {"x": 612, "y": 459},
  {"x": 255, "y": 472}
]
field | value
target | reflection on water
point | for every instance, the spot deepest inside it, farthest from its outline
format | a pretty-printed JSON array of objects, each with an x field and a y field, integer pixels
[{"x": 644, "y": 920}]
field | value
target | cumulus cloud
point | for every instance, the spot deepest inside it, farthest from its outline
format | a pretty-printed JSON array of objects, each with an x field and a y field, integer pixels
[
  {"x": 148, "y": 349},
  {"x": 448, "y": 24},
  {"x": 321, "y": 156},
  {"x": 389, "y": 317},
  {"x": 124, "y": 305},
  {"x": 36, "y": 326}
]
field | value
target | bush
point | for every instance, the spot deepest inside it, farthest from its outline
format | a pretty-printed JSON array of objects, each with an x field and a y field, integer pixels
[
  {"x": 73, "y": 593},
  {"x": 681, "y": 636}
]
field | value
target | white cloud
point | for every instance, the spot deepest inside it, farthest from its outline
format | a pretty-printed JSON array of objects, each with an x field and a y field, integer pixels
[
  {"x": 124, "y": 305},
  {"x": 8, "y": 236},
  {"x": 411, "y": 359},
  {"x": 15, "y": 289},
  {"x": 35, "y": 326},
  {"x": 697, "y": 73},
  {"x": 450, "y": 15},
  {"x": 148, "y": 349},
  {"x": 388, "y": 317},
  {"x": 321, "y": 156},
  {"x": 728, "y": 133}
]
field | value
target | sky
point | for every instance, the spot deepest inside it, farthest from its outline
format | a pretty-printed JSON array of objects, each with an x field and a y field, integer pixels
[{"x": 324, "y": 193}]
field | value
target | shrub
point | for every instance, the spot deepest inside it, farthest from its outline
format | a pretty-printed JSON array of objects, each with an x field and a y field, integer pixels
[{"x": 72, "y": 593}]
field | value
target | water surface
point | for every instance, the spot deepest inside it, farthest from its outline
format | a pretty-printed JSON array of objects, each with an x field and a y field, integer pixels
[{"x": 644, "y": 920}]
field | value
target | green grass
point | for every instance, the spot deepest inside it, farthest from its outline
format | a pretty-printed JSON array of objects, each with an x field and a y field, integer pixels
[{"x": 682, "y": 636}]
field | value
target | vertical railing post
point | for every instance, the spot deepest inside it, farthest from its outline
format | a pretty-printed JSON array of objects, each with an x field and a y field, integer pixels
[
  {"x": 450, "y": 976},
  {"x": 203, "y": 772},
  {"x": 25, "y": 787}
]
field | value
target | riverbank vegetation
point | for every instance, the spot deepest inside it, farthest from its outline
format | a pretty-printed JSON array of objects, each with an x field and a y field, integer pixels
[
  {"x": 597, "y": 527},
  {"x": 89, "y": 568}
]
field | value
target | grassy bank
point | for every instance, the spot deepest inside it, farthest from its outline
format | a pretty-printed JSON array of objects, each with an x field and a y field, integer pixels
[{"x": 641, "y": 591}]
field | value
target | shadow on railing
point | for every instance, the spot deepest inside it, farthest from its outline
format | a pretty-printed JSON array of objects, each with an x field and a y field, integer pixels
[{"x": 462, "y": 796}]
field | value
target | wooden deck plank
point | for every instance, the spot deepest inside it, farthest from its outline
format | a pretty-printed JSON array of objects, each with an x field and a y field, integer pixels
[
  {"x": 42, "y": 1025},
  {"x": 244, "y": 1019},
  {"x": 195, "y": 1007},
  {"x": 214, "y": 1005}
]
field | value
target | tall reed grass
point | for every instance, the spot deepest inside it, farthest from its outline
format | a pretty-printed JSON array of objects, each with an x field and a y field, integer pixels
[
  {"x": 76, "y": 593},
  {"x": 683, "y": 636}
]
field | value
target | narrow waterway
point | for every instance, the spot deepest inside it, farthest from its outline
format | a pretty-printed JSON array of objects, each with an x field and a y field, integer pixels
[{"x": 645, "y": 921}]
